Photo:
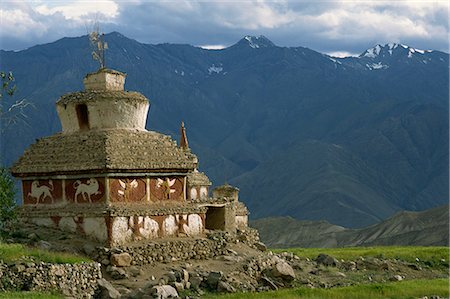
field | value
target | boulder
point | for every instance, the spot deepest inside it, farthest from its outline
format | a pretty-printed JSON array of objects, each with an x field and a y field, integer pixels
[
  {"x": 135, "y": 271},
  {"x": 121, "y": 259},
  {"x": 163, "y": 292},
  {"x": 232, "y": 258},
  {"x": 268, "y": 282},
  {"x": 179, "y": 286},
  {"x": 185, "y": 276},
  {"x": 106, "y": 290},
  {"x": 89, "y": 249},
  {"x": 223, "y": 286},
  {"x": 195, "y": 282},
  {"x": 283, "y": 270},
  {"x": 260, "y": 246},
  {"x": 116, "y": 273},
  {"x": 326, "y": 260},
  {"x": 396, "y": 278},
  {"x": 213, "y": 279}
]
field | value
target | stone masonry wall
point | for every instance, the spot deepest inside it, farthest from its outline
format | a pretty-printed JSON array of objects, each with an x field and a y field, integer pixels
[
  {"x": 72, "y": 280},
  {"x": 167, "y": 251},
  {"x": 182, "y": 249}
]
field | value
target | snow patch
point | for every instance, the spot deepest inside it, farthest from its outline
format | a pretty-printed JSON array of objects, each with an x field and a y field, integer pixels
[
  {"x": 377, "y": 66},
  {"x": 372, "y": 52},
  {"x": 256, "y": 42},
  {"x": 334, "y": 60},
  {"x": 215, "y": 69},
  {"x": 251, "y": 42},
  {"x": 179, "y": 72}
]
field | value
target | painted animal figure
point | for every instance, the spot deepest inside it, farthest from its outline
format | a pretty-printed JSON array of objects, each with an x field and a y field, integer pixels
[
  {"x": 167, "y": 186},
  {"x": 126, "y": 187},
  {"x": 40, "y": 192},
  {"x": 86, "y": 190}
]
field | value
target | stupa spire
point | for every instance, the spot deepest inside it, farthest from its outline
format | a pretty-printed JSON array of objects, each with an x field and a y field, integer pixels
[{"x": 183, "y": 139}]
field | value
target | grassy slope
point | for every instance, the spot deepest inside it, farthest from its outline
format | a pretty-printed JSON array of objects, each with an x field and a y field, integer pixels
[
  {"x": 403, "y": 289},
  {"x": 29, "y": 295},
  {"x": 431, "y": 255},
  {"x": 435, "y": 257},
  {"x": 14, "y": 252}
]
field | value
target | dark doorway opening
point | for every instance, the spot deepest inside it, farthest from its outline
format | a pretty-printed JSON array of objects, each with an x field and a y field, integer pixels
[
  {"x": 83, "y": 117},
  {"x": 215, "y": 218}
]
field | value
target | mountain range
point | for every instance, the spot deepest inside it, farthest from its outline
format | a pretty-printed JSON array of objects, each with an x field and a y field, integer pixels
[
  {"x": 302, "y": 134},
  {"x": 425, "y": 228}
]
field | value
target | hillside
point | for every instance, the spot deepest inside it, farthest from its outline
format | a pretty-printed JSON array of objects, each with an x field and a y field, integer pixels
[
  {"x": 427, "y": 228},
  {"x": 350, "y": 140}
]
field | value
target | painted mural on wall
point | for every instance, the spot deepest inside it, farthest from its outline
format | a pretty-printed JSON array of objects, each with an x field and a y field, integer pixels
[
  {"x": 41, "y": 191},
  {"x": 166, "y": 189},
  {"x": 127, "y": 190},
  {"x": 132, "y": 228},
  {"x": 198, "y": 192},
  {"x": 89, "y": 190}
]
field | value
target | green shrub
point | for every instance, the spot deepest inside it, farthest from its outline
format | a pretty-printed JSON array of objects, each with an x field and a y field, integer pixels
[{"x": 8, "y": 206}]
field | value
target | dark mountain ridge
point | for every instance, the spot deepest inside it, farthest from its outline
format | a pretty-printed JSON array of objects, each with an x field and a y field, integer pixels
[
  {"x": 426, "y": 228},
  {"x": 301, "y": 133}
]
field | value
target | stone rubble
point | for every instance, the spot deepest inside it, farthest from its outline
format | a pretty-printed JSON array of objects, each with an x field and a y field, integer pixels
[
  {"x": 71, "y": 280},
  {"x": 181, "y": 272}
]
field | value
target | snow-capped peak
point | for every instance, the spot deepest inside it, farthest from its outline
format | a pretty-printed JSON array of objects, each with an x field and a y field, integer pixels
[
  {"x": 389, "y": 49},
  {"x": 256, "y": 42},
  {"x": 372, "y": 52}
]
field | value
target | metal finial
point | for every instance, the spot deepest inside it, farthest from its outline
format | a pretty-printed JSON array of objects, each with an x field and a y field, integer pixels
[{"x": 99, "y": 46}]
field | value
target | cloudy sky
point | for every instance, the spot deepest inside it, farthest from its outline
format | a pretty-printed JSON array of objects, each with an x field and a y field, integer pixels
[{"x": 335, "y": 27}]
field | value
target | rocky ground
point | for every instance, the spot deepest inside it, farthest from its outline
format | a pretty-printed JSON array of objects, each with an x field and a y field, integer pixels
[{"x": 240, "y": 268}]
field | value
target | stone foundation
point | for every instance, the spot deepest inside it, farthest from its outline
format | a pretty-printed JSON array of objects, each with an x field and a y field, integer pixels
[
  {"x": 167, "y": 251},
  {"x": 179, "y": 249}
]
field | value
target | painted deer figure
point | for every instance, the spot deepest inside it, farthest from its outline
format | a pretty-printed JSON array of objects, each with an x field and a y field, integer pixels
[
  {"x": 40, "y": 192},
  {"x": 86, "y": 190}
]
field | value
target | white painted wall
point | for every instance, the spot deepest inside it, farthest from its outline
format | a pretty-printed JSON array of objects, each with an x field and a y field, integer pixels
[
  {"x": 104, "y": 81},
  {"x": 95, "y": 228},
  {"x": 106, "y": 114},
  {"x": 121, "y": 233},
  {"x": 203, "y": 192},
  {"x": 170, "y": 226},
  {"x": 195, "y": 226},
  {"x": 193, "y": 193},
  {"x": 150, "y": 229}
]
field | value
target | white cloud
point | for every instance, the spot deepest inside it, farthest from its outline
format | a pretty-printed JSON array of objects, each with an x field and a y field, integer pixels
[
  {"x": 333, "y": 26},
  {"x": 18, "y": 23},
  {"x": 77, "y": 10},
  {"x": 341, "y": 54},
  {"x": 253, "y": 15},
  {"x": 212, "y": 47}
]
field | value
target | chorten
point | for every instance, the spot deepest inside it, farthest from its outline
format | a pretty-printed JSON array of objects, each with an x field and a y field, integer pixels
[{"x": 107, "y": 178}]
